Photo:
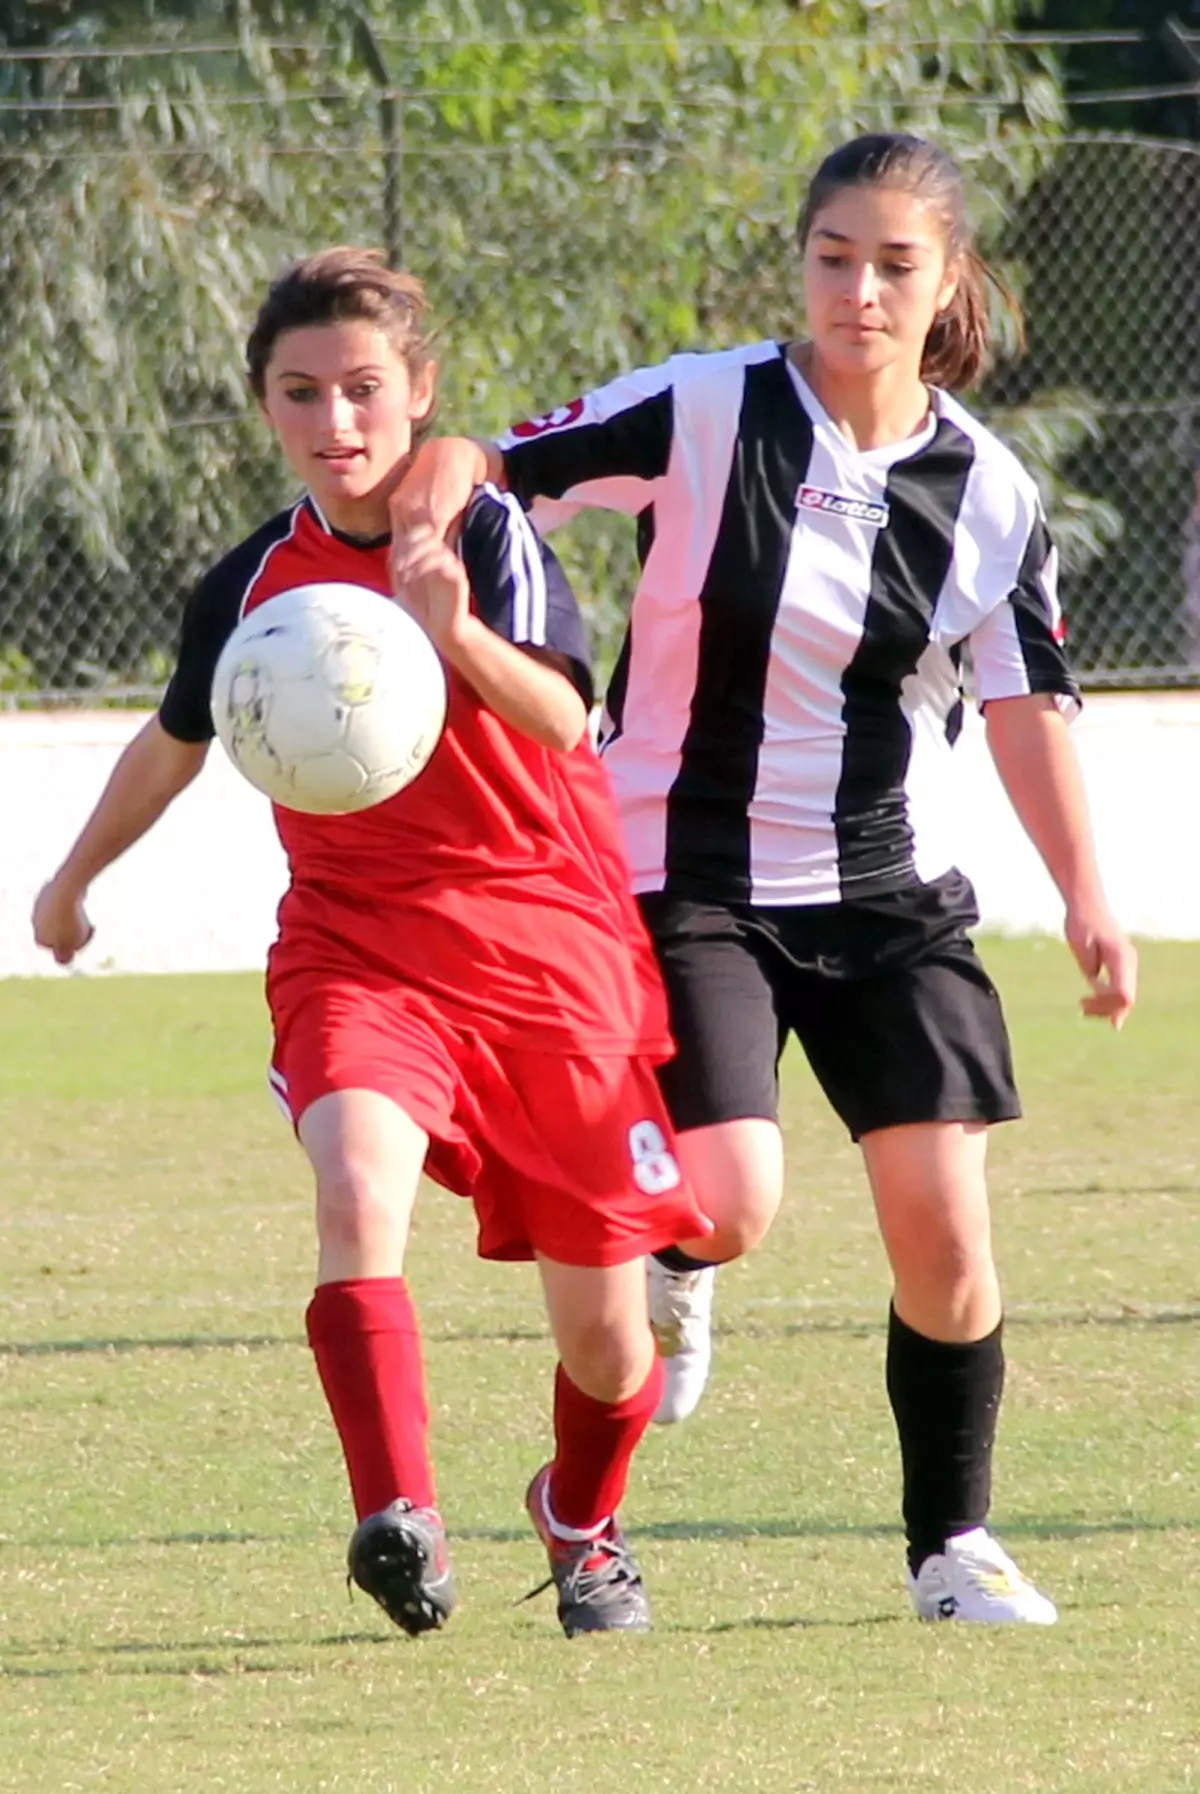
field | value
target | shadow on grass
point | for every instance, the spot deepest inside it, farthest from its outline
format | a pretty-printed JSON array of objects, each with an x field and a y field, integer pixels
[
  {"x": 760, "y": 1622},
  {"x": 193, "y": 1659},
  {"x": 1130, "y": 1315},
  {"x": 199, "y": 1660}
]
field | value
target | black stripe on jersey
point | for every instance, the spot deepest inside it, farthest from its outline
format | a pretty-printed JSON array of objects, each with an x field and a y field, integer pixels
[
  {"x": 614, "y": 697},
  {"x": 635, "y": 442},
  {"x": 908, "y": 570},
  {"x": 1046, "y": 665},
  {"x": 954, "y": 716},
  {"x": 708, "y": 824}
]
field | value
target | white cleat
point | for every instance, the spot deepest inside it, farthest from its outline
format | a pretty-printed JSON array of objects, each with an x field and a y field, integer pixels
[
  {"x": 975, "y": 1579},
  {"x": 681, "y": 1320}
]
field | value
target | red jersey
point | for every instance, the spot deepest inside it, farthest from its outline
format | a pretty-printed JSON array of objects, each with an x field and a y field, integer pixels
[{"x": 495, "y": 884}]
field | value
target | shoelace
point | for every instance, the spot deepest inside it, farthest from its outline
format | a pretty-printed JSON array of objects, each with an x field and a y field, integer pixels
[{"x": 598, "y": 1566}]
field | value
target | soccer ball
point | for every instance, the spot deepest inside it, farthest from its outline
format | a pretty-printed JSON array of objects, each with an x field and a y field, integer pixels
[{"x": 329, "y": 698}]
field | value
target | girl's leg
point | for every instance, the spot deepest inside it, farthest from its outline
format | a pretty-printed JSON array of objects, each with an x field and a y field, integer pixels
[
  {"x": 945, "y": 1363},
  {"x": 367, "y": 1156},
  {"x": 736, "y": 1171},
  {"x": 721, "y": 1091},
  {"x": 606, "y": 1387}
]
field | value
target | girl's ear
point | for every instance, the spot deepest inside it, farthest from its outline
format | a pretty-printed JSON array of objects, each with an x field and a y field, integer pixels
[
  {"x": 948, "y": 287},
  {"x": 424, "y": 391}
]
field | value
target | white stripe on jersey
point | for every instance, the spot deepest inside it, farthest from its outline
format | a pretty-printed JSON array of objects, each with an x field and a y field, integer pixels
[
  {"x": 277, "y": 1084},
  {"x": 528, "y": 573},
  {"x": 687, "y": 513},
  {"x": 1001, "y": 507},
  {"x": 818, "y": 628}
]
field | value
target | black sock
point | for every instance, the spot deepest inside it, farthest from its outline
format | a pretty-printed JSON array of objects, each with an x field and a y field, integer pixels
[
  {"x": 672, "y": 1259},
  {"x": 946, "y": 1399}
]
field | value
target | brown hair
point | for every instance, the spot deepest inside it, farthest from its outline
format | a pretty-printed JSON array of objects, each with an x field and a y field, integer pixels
[
  {"x": 958, "y": 347},
  {"x": 344, "y": 283}
]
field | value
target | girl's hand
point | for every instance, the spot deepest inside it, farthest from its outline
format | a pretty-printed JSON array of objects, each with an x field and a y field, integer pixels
[
  {"x": 431, "y": 582},
  {"x": 435, "y": 492},
  {"x": 1108, "y": 960},
  {"x": 60, "y": 922}
]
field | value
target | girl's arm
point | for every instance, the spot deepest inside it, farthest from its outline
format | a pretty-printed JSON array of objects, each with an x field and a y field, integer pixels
[
  {"x": 152, "y": 770},
  {"x": 1030, "y": 743}
]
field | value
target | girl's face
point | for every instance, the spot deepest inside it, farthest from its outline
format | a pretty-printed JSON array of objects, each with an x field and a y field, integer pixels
[
  {"x": 340, "y": 398},
  {"x": 875, "y": 278}
]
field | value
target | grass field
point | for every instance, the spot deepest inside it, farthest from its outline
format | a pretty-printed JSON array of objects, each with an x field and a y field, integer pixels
[{"x": 173, "y": 1614}]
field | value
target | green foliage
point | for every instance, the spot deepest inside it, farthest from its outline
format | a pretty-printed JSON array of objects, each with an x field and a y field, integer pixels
[{"x": 584, "y": 187}]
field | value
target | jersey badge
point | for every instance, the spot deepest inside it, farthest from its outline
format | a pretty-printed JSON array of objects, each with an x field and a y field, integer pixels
[
  {"x": 841, "y": 504},
  {"x": 557, "y": 419}
]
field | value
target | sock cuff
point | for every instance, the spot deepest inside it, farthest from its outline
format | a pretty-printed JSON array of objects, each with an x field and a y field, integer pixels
[
  {"x": 672, "y": 1258},
  {"x": 575, "y": 1535},
  {"x": 368, "y": 1304},
  {"x": 946, "y": 1350},
  {"x": 617, "y": 1412}
]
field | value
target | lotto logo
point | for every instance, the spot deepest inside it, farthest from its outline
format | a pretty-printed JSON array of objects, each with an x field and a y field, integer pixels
[
  {"x": 654, "y": 1166},
  {"x": 840, "y": 504},
  {"x": 552, "y": 420}
]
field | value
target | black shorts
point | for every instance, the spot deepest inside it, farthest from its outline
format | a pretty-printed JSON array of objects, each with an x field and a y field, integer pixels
[{"x": 887, "y": 996}]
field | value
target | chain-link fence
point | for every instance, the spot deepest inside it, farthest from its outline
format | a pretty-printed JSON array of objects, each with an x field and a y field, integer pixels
[{"x": 570, "y": 239}]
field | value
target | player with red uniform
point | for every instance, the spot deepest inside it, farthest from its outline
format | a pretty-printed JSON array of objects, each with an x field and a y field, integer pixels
[{"x": 461, "y": 983}]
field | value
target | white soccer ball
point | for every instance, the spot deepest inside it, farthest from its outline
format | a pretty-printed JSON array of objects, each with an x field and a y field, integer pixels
[{"x": 329, "y": 698}]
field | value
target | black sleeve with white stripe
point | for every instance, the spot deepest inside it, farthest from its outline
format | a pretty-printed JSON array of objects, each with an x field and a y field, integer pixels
[{"x": 518, "y": 584}]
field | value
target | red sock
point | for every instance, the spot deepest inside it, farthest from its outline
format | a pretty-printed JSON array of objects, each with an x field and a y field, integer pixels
[
  {"x": 367, "y": 1344},
  {"x": 595, "y": 1443}
]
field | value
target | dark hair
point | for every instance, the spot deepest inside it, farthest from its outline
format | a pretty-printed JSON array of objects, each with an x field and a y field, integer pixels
[
  {"x": 344, "y": 283},
  {"x": 958, "y": 347}
]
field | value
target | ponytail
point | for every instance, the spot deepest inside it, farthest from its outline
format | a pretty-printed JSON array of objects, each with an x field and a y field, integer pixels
[{"x": 958, "y": 349}]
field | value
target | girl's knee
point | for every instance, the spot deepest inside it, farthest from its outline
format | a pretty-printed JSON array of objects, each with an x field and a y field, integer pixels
[
  {"x": 609, "y": 1363},
  {"x": 356, "y": 1210}
]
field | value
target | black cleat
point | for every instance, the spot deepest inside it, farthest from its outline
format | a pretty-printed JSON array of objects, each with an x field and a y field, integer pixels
[
  {"x": 399, "y": 1558},
  {"x": 600, "y": 1587}
]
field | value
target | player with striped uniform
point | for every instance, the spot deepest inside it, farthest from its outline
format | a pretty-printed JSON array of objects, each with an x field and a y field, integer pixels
[
  {"x": 825, "y": 534},
  {"x": 461, "y": 983}
]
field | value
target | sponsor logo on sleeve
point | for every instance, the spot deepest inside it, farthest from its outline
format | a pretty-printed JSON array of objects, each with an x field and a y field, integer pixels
[
  {"x": 842, "y": 504},
  {"x": 557, "y": 419}
]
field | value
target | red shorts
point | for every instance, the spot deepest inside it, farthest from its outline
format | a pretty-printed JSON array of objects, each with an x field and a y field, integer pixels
[{"x": 564, "y": 1155}]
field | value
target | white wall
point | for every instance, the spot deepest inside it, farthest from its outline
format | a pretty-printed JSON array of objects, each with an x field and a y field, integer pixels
[{"x": 199, "y": 893}]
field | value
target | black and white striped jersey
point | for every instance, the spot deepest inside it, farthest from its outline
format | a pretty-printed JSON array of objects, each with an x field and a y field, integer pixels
[{"x": 779, "y": 723}]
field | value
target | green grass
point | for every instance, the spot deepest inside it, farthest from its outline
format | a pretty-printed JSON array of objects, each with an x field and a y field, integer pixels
[{"x": 173, "y": 1514}]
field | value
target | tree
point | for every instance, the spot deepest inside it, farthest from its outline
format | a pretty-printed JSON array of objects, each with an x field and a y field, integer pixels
[
  {"x": 586, "y": 186},
  {"x": 1100, "y": 67}
]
